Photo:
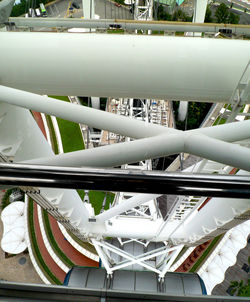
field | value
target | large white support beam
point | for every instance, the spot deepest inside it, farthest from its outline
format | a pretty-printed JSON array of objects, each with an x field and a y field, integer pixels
[
  {"x": 159, "y": 145},
  {"x": 237, "y": 29},
  {"x": 199, "y": 11},
  {"x": 118, "y": 154},
  {"x": 154, "y": 147},
  {"x": 217, "y": 216},
  {"x": 88, "y": 8},
  {"x": 21, "y": 139},
  {"x": 178, "y": 68},
  {"x": 113, "y": 122},
  {"x": 81, "y": 114},
  {"x": 125, "y": 206}
]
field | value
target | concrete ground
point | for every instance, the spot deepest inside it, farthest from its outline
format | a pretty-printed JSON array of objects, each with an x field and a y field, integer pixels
[{"x": 12, "y": 270}]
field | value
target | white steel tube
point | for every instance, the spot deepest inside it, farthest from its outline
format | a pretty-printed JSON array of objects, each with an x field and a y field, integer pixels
[
  {"x": 118, "y": 154},
  {"x": 199, "y": 11},
  {"x": 239, "y": 29},
  {"x": 113, "y": 122},
  {"x": 81, "y": 114},
  {"x": 231, "y": 132},
  {"x": 20, "y": 133},
  {"x": 125, "y": 206},
  {"x": 154, "y": 147},
  {"x": 138, "y": 150},
  {"x": 178, "y": 68},
  {"x": 219, "y": 151},
  {"x": 88, "y": 8}
]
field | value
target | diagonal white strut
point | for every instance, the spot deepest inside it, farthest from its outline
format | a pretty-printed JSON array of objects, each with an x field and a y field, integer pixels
[
  {"x": 154, "y": 147},
  {"x": 195, "y": 142},
  {"x": 112, "y": 122},
  {"x": 136, "y": 228},
  {"x": 82, "y": 114}
]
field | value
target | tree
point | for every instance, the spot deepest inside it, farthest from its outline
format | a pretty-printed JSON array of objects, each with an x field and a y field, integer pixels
[
  {"x": 180, "y": 15},
  {"x": 162, "y": 14},
  {"x": 233, "y": 18},
  {"x": 222, "y": 13},
  {"x": 224, "y": 16},
  {"x": 196, "y": 114},
  {"x": 208, "y": 16},
  {"x": 240, "y": 289}
]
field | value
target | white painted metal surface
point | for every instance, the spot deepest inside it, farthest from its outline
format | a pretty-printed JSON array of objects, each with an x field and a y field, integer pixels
[
  {"x": 177, "y": 68},
  {"x": 160, "y": 145},
  {"x": 21, "y": 139},
  {"x": 199, "y": 11},
  {"x": 88, "y": 7}
]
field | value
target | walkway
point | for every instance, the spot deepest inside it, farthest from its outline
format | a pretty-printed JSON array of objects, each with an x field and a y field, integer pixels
[
  {"x": 193, "y": 257},
  {"x": 75, "y": 256},
  {"x": 54, "y": 268},
  {"x": 38, "y": 118}
]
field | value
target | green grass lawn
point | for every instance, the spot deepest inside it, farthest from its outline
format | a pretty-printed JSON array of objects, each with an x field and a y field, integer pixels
[
  {"x": 53, "y": 242},
  {"x": 70, "y": 132},
  {"x": 97, "y": 197},
  {"x": 158, "y": 32},
  {"x": 71, "y": 135},
  {"x": 219, "y": 121},
  {"x": 115, "y": 31},
  {"x": 62, "y": 98}
]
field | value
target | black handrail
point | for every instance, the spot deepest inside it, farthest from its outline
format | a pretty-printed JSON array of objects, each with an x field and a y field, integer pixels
[{"x": 213, "y": 185}]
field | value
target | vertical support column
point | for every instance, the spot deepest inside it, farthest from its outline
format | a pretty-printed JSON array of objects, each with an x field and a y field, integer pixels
[
  {"x": 95, "y": 102},
  {"x": 21, "y": 139},
  {"x": 88, "y": 8},
  {"x": 171, "y": 260},
  {"x": 103, "y": 256},
  {"x": 199, "y": 11},
  {"x": 200, "y": 8}
]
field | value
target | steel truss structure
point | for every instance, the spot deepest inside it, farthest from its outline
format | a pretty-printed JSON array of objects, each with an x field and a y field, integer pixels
[
  {"x": 143, "y": 10},
  {"x": 153, "y": 67},
  {"x": 165, "y": 255}
]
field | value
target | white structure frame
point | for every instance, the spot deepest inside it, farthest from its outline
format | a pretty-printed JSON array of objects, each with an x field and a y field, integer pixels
[
  {"x": 143, "y": 10},
  {"x": 158, "y": 76},
  {"x": 167, "y": 254}
]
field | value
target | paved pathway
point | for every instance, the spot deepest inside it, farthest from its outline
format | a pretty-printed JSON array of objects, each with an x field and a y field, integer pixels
[
  {"x": 54, "y": 268},
  {"x": 74, "y": 255},
  {"x": 39, "y": 120},
  {"x": 193, "y": 257}
]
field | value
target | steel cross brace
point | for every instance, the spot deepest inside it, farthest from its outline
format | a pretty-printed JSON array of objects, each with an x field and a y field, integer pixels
[{"x": 140, "y": 259}]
